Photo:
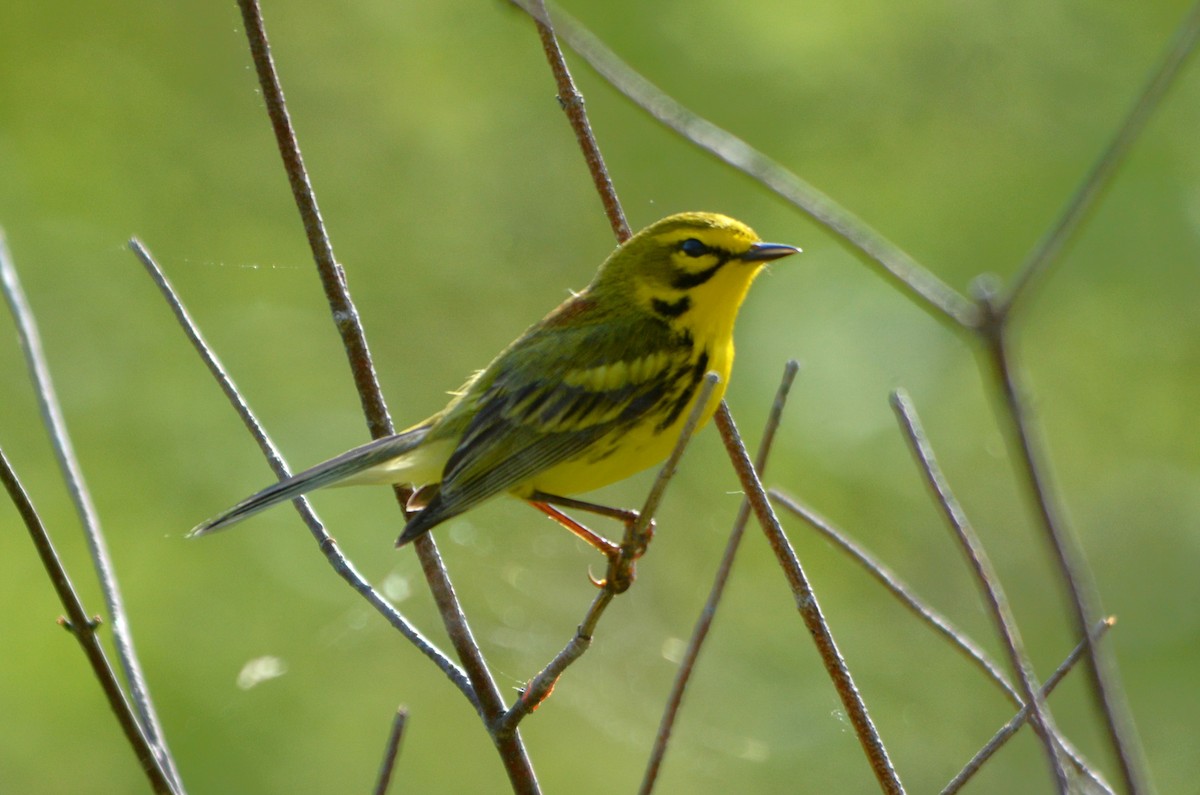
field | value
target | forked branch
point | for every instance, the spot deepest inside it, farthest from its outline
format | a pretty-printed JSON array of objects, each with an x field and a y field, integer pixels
[
  {"x": 919, "y": 607},
  {"x": 83, "y": 628},
  {"x": 89, "y": 518},
  {"x": 989, "y": 582},
  {"x": 1009, "y": 729}
]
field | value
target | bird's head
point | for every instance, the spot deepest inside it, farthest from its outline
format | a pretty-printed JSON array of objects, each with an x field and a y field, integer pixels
[{"x": 691, "y": 269}]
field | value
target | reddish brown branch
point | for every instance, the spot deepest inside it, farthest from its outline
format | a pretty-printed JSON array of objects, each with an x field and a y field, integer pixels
[
  {"x": 572, "y": 104},
  {"x": 810, "y": 611},
  {"x": 704, "y": 622},
  {"x": 345, "y": 317},
  {"x": 83, "y": 628}
]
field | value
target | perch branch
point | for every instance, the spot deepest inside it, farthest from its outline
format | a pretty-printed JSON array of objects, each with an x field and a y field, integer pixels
[{"x": 620, "y": 574}]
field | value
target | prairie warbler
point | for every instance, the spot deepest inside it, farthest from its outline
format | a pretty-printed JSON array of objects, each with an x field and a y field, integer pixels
[{"x": 595, "y": 391}]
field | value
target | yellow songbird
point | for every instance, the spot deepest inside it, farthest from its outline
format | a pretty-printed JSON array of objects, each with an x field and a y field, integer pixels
[{"x": 596, "y": 391}]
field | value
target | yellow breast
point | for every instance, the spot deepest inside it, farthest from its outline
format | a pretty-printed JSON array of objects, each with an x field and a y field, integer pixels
[{"x": 630, "y": 450}]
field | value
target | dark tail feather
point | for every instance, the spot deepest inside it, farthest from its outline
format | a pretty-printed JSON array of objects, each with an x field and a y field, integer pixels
[
  {"x": 433, "y": 514},
  {"x": 325, "y": 474}
]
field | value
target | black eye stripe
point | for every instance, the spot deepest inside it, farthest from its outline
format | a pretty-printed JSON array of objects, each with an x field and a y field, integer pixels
[{"x": 682, "y": 280}]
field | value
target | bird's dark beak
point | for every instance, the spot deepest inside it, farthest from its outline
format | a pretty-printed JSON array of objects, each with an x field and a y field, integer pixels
[{"x": 764, "y": 252}]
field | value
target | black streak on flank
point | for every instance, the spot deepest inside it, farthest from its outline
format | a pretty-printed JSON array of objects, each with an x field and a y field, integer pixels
[
  {"x": 673, "y": 308},
  {"x": 685, "y": 397}
]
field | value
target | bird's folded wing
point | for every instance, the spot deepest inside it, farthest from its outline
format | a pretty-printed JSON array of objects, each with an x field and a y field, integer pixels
[{"x": 530, "y": 419}]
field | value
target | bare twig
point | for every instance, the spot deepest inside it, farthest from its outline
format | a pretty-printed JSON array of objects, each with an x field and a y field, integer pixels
[
  {"x": 810, "y": 611},
  {"x": 920, "y": 284},
  {"x": 903, "y": 593},
  {"x": 1101, "y": 174},
  {"x": 333, "y": 278},
  {"x": 996, "y": 313},
  {"x": 391, "y": 752},
  {"x": 920, "y": 608},
  {"x": 83, "y": 627},
  {"x": 989, "y": 582},
  {"x": 619, "y": 576},
  {"x": 345, "y": 316},
  {"x": 541, "y": 685},
  {"x": 1068, "y": 556},
  {"x": 328, "y": 545},
  {"x": 1010, "y": 728},
  {"x": 704, "y": 622},
  {"x": 638, "y": 534},
  {"x": 72, "y": 473},
  {"x": 572, "y": 104}
]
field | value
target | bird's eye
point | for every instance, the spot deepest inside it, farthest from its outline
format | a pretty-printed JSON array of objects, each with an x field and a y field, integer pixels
[{"x": 693, "y": 247}]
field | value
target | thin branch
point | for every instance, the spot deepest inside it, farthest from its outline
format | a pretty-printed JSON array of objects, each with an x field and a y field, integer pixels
[
  {"x": 333, "y": 277},
  {"x": 1102, "y": 668},
  {"x": 540, "y": 686},
  {"x": 872, "y": 744},
  {"x": 637, "y": 536},
  {"x": 704, "y": 622},
  {"x": 620, "y": 574},
  {"x": 1068, "y": 556},
  {"x": 391, "y": 752},
  {"x": 918, "y": 283},
  {"x": 1023, "y": 716},
  {"x": 572, "y": 104},
  {"x": 1102, "y": 172},
  {"x": 345, "y": 316},
  {"x": 989, "y": 582},
  {"x": 920, "y": 608},
  {"x": 898, "y": 588},
  {"x": 83, "y": 627},
  {"x": 810, "y": 611},
  {"x": 327, "y": 544},
  {"x": 72, "y": 474}
]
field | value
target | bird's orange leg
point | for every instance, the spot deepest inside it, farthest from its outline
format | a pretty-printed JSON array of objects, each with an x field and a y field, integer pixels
[
  {"x": 610, "y": 550},
  {"x": 620, "y": 556},
  {"x": 623, "y": 515}
]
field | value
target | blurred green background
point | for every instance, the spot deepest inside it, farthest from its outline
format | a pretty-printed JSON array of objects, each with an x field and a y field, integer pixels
[{"x": 457, "y": 199}]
